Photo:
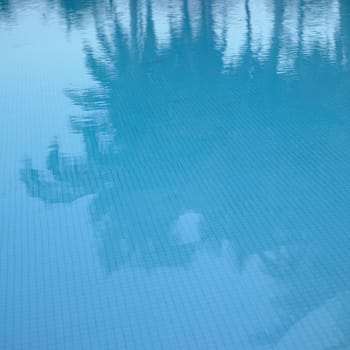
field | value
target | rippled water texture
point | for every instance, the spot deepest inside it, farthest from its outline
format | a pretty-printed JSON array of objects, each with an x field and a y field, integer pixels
[{"x": 175, "y": 174}]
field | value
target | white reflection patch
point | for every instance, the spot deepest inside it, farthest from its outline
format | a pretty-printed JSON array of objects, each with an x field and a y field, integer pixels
[
  {"x": 262, "y": 24},
  {"x": 187, "y": 227}
]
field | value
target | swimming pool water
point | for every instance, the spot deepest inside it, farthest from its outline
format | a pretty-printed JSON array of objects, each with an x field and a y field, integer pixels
[{"x": 175, "y": 174}]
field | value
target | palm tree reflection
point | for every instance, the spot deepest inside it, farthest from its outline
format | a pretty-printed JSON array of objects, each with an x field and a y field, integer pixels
[{"x": 179, "y": 157}]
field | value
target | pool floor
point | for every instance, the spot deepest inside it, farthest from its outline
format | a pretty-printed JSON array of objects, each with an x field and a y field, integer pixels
[{"x": 175, "y": 174}]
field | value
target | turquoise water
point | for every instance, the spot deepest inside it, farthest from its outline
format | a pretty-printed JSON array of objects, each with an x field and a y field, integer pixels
[{"x": 174, "y": 174}]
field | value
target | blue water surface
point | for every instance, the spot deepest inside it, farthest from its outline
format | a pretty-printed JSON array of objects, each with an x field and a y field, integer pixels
[{"x": 174, "y": 174}]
